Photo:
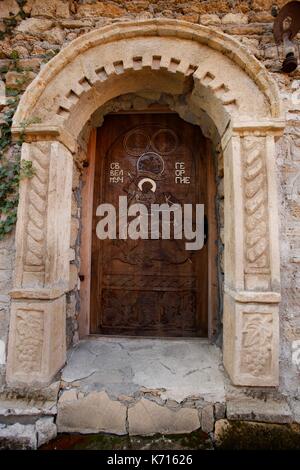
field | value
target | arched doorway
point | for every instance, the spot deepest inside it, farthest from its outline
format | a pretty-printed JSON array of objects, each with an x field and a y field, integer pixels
[{"x": 238, "y": 105}]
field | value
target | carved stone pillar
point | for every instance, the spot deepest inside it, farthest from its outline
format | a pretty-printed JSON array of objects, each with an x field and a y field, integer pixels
[
  {"x": 252, "y": 270},
  {"x": 37, "y": 347}
]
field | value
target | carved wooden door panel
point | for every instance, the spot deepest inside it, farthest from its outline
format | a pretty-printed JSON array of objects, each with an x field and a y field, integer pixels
[{"x": 148, "y": 287}]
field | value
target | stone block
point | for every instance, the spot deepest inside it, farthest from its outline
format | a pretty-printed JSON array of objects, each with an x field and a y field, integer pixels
[
  {"x": 209, "y": 19},
  {"x": 34, "y": 26},
  {"x": 37, "y": 341},
  {"x": 269, "y": 411},
  {"x": 207, "y": 418},
  {"x": 51, "y": 8},
  {"x": 295, "y": 407},
  {"x": 147, "y": 418},
  {"x": 62, "y": 9},
  {"x": 26, "y": 408},
  {"x": 18, "y": 436},
  {"x": 74, "y": 231},
  {"x": 9, "y": 7},
  {"x": 220, "y": 411},
  {"x": 235, "y": 18},
  {"x": 100, "y": 9},
  {"x": 3, "y": 99},
  {"x": 46, "y": 430},
  {"x": 2, "y": 352},
  {"x": 54, "y": 36},
  {"x": 5, "y": 259},
  {"x": 18, "y": 80},
  {"x": 249, "y": 435},
  {"x": 251, "y": 342},
  {"x": 221, "y": 427},
  {"x": 73, "y": 277},
  {"x": 96, "y": 412}
]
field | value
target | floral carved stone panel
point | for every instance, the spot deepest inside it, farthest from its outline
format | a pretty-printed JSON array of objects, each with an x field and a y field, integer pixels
[
  {"x": 252, "y": 342},
  {"x": 29, "y": 340},
  {"x": 37, "y": 341},
  {"x": 257, "y": 335}
]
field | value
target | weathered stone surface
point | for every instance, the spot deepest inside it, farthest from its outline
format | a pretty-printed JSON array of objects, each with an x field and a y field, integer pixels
[
  {"x": 192, "y": 17},
  {"x": 5, "y": 258},
  {"x": 2, "y": 103},
  {"x": 34, "y": 26},
  {"x": 45, "y": 8},
  {"x": 18, "y": 436},
  {"x": 19, "y": 81},
  {"x": 94, "y": 413},
  {"x": 100, "y": 9},
  {"x": 211, "y": 19},
  {"x": 2, "y": 352},
  {"x": 174, "y": 370},
  {"x": 295, "y": 407},
  {"x": 235, "y": 18},
  {"x": 244, "y": 359},
  {"x": 46, "y": 430},
  {"x": 26, "y": 407},
  {"x": 147, "y": 417},
  {"x": 74, "y": 230},
  {"x": 54, "y": 36},
  {"x": 72, "y": 23},
  {"x": 259, "y": 410},
  {"x": 248, "y": 435},
  {"x": 221, "y": 427},
  {"x": 220, "y": 411},
  {"x": 62, "y": 9},
  {"x": 265, "y": 4},
  {"x": 50, "y": 8},
  {"x": 37, "y": 342},
  {"x": 207, "y": 418},
  {"x": 73, "y": 277},
  {"x": 8, "y": 8}
]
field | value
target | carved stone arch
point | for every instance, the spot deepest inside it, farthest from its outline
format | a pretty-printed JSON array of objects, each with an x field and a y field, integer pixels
[{"x": 221, "y": 80}]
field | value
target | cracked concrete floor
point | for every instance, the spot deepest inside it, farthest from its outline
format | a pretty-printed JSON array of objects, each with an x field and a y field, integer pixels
[{"x": 178, "y": 368}]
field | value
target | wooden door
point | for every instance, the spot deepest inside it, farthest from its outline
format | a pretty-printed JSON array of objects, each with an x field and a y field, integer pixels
[{"x": 149, "y": 287}]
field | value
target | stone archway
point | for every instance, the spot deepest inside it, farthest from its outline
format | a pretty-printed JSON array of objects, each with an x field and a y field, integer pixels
[{"x": 237, "y": 94}]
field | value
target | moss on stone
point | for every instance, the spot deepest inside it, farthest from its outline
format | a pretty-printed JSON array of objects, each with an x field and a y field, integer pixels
[
  {"x": 194, "y": 440},
  {"x": 243, "y": 435}
]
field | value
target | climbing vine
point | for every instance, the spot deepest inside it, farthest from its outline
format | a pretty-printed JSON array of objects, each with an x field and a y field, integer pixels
[{"x": 12, "y": 168}]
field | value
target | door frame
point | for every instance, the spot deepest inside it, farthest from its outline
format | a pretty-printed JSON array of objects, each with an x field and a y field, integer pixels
[{"x": 86, "y": 235}]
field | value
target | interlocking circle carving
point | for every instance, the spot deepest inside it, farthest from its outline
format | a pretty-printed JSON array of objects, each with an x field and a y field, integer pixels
[
  {"x": 164, "y": 141},
  {"x": 136, "y": 142}
]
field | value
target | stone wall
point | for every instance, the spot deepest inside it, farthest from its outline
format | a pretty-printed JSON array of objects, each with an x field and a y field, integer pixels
[{"x": 31, "y": 34}]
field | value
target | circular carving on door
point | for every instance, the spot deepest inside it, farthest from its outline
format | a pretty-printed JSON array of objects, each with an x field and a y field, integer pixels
[
  {"x": 136, "y": 142},
  {"x": 150, "y": 162},
  {"x": 164, "y": 141}
]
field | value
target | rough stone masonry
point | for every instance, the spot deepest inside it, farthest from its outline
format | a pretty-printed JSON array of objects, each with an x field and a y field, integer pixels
[{"x": 32, "y": 33}]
